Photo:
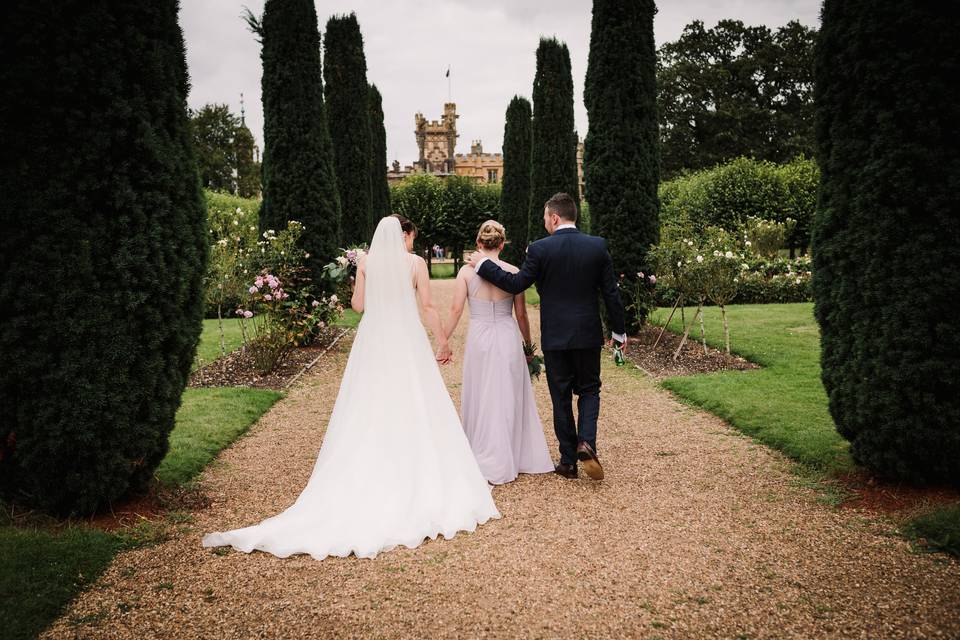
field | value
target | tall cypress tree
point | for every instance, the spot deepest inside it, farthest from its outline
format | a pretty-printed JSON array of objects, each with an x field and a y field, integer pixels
[
  {"x": 886, "y": 235},
  {"x": 103, "y": 249},
  {"x": 248, "y": 169},
  {"x": 554, "y": 156},
  {"x": 515, "y": 197},
  {"x": 345, "y": 73},
  {"x": 621, "y": 154},
  {"x": 380, "y": 190},
  {"x": 298, "y": 178}
]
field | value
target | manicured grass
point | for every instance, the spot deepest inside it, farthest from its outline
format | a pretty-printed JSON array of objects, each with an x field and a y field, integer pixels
[
  {"x": 533, "y": 298},
  {"x": 442, "y": 270},
  {"x": 209, "y": 348},
  {"x": 939, "y": 528},
  {"x": 207, "y": 422},
  {"x": 782, "y": 405},
  {"x": 40, "y": 571},
  {"x": 350, "y": 319}
]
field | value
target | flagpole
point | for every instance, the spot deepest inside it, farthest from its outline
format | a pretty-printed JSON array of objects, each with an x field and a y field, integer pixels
[{"x": 449, "y": 90}]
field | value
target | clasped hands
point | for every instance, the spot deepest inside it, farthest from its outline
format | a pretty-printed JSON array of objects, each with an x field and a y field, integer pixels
[{"x": 444, "y": 353}]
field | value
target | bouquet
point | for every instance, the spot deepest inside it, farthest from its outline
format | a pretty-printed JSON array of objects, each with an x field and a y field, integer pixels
[{"x": 534, "y": 361}]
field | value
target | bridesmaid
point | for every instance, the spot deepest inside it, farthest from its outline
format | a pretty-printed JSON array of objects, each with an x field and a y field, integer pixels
[{"x": 499, "y": 413}]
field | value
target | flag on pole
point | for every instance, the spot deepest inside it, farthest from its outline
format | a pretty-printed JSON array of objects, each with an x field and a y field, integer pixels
[{"x": 448, "y": 72}]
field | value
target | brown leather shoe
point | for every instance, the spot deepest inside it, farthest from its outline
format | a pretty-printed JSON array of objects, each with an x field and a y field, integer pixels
[
  {"x": 588, "y": 458},
  {"x": 568, "y": 471}
]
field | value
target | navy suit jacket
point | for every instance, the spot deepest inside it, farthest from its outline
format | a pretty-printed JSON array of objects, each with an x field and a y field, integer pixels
[{"x": 572, "y": 271}]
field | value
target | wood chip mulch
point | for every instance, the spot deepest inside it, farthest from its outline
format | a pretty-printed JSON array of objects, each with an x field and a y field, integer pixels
[
  {"x": 659, "y": 363},
  {"x": 236, "y": 369}
]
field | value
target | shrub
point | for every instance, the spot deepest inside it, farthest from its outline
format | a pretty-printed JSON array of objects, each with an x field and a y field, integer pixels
[
  {"x": 102, "y": 253},
  {"x": 767, "y": 237},
  {"x": 515, "y": 202},
  {"x": 886, "y": 241},
  {"x": 726, "y": 195}
]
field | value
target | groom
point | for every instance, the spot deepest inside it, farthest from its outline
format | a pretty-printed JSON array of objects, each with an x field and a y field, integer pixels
[{"x": 572, "y": 270}]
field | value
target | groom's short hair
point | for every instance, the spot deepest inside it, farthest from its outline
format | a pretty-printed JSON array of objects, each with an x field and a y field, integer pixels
[{"x": 563, "y": 205}]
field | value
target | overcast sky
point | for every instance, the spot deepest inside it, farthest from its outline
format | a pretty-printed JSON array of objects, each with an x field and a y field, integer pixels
[{"x": 489, "y": 46}]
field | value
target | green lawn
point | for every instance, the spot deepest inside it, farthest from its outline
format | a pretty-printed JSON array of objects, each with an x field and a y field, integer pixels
[
  {"x": 442, "y": 270},
  {"x": 209, "y": 348},
  {"x": 938, "y": 528},
  {"x": 41, "y": 571},
  {"x": 43, "y": 568},
  {"x": 782, "y": 405},
  {"x": 350, "y": 319},
  {"x": 208, "y": 421}
]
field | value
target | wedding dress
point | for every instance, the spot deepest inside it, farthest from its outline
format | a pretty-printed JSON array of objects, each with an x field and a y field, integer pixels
[{"x": 395, "y": 467}]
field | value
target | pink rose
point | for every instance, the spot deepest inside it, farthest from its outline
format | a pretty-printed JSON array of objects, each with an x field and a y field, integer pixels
[
  {"x": 268, "y": 297},
  {"x": 653, "y": 279},
  {"x": 248, "y": 314},
  {"x": 252, "y": 290}
]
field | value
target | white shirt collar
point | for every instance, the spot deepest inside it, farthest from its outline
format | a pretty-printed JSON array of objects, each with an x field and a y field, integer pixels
[{"x": 568, "y": 225}]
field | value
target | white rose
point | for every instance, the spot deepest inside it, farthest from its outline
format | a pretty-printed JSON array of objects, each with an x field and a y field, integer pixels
[
  {"x": 342, "y": 261},
  {"x": 728, "y": 254},
  {"x": 699, "y": 258}
]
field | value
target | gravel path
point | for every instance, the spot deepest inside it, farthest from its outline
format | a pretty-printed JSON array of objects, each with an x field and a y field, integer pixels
[{"x": 697, "y": 532}]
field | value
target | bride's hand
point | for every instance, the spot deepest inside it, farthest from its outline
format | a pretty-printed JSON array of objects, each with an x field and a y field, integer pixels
[{"x": 444, "y": 354}]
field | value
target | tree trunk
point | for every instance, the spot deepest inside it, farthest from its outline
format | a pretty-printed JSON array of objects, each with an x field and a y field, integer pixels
[
  {"x": 703, "y": 333},
  {"x": 667, "y": 323},
  {"x": 686, "y": 332},
  {"x": 726, "y": 327}
]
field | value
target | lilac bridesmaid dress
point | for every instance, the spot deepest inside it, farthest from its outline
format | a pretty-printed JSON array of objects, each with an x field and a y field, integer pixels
[{"x": 499, "y": 413}]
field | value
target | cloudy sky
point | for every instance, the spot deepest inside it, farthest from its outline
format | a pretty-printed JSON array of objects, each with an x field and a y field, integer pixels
[{"x": 489, "y": 46}]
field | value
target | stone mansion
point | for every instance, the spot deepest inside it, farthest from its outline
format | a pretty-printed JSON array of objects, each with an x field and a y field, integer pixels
[{"x": 437, "y": 142}]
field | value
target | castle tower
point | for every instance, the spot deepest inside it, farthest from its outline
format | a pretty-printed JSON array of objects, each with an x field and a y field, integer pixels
[{"x": 437, "y": 141}]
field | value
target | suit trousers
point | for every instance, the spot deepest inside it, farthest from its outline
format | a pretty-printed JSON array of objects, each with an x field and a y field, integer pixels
[{"x": 574, "y": 371}]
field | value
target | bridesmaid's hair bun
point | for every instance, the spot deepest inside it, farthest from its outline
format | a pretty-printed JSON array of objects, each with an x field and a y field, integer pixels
[
  {"x": 405, "y": 224},
  {"x": 491, "y": 235}
]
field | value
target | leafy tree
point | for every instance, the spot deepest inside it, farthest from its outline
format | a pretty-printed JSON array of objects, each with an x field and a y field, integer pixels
[
  {"x": 298, "y": 177},
  {"x": 214, "y": 129},
  {"x": 244, "y": 163},
  {"x": 420, "y": 198},
  {"x": 515, "y": 202},
  {"x": 735, "y": 90},
  {"x": 380, "y": 190},
  {"x": 348, "y": 94},
  {"x": 554, "y": 156},
  {"x": 103, "y": 249},
  {"x": 621, "y": 155},
  {"x": 886, "y": 240}
]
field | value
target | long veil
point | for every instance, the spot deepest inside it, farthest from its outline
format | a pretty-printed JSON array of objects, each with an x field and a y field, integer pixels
[
  {"x": 389, "y": 295},
  {"x": 395, "y": 466}
]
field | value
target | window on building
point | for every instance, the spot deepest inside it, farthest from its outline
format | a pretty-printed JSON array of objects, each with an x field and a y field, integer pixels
[{"x": 491, "y": 175}]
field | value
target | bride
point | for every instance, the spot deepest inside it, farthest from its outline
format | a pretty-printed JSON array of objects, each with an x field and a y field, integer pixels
[{"x": 395, "y": 467}]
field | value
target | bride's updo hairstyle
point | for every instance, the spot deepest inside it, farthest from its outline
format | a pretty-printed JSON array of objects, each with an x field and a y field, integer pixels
[
  {"x": 405, "y": 224},
  {"x": 492, "y": 235}
]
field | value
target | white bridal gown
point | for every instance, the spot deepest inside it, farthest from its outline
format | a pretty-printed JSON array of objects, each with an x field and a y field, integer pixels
[{"x": 395, "y": 467}]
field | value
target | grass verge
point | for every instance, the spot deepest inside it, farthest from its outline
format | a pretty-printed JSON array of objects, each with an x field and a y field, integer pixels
[
  {"x": 782, "y": 405},
  {"x": 209, "y": 348},
  {"x": 43, "y": 567},
  {"x": 40, "y": 571},
  {"x": 442, "y": 270},
  {"x": 937, "y": 529},
  {"x": 208, "y": 421}
]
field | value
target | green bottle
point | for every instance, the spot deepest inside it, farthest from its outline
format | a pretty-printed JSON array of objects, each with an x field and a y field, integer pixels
[{"x": 618, "y": 358}]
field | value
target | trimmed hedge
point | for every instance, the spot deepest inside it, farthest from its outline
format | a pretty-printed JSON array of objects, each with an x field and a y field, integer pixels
[
  {"x": 102, "y": 252},
  {"x": 887, "y": 236},
  {"x": 727, "y": 194}
]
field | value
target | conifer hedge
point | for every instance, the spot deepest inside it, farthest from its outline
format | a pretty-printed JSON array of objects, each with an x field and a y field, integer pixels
[
  {"x": 515, "y": 197},
  {"x": 621, "y": 154},
  {"x": 554, "y": 156},
  {"x": 886, "y": 241},
  {"x": 380, "y": 190},
  {"x": 299, "y": 182},
  {"x": 348, "y": 94},
  {"x": 102, "y": 252}
]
